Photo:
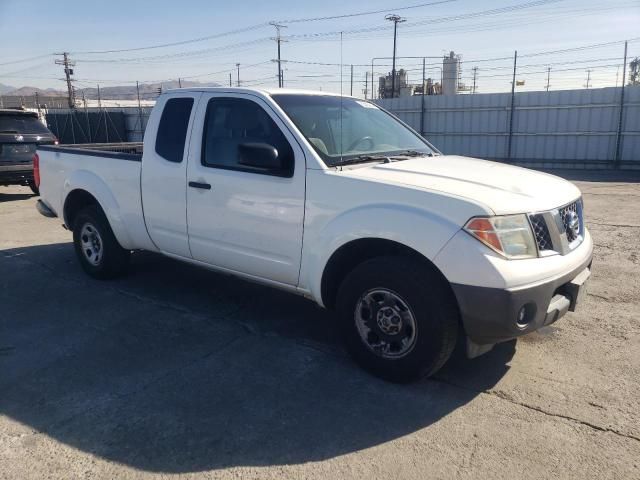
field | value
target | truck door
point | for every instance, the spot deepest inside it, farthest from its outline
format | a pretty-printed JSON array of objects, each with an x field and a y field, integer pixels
[
  {"x": 244, "y": 218},
  {"x": 164, "y": 172}
]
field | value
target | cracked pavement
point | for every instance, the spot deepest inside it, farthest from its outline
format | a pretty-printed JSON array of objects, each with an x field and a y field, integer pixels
[{"x": 177, "y": 371}]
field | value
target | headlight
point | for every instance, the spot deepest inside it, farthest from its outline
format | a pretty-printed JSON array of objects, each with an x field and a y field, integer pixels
[{"x": 509, "y": 235}]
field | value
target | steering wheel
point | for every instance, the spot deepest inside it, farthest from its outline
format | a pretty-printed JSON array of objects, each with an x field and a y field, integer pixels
[{"x": 366, "y": 138}]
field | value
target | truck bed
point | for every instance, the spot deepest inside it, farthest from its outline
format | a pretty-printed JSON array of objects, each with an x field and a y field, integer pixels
[
  {"x": 124, "y": 151},
  {"x": 113, "y": 173}
]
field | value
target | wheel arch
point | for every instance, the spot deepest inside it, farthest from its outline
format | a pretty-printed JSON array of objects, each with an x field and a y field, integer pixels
[
  {"x": 84, "y": 188},
  {"x": 353, "y": 253},
  {"x": 75, "y": 201}
]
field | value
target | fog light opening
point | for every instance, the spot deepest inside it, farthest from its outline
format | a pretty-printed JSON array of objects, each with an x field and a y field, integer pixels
[{"x": 525, "y": 315}]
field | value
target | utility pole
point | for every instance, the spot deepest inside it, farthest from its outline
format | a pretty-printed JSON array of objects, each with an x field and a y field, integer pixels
[
  {"x": 179, "y": 83},
  {"x": 67, "y": 73},
  {"x": 588, "y": 78},
  {"x": 548, "y": 77},
  {"x": 395, "y": 19},
  {"x": 475, "y": 76},
  {"x": 351, "y": 81},
  {"x": 238, "y": 67},
  {"x": 278, "y": 40},
  {"x": 230, "y": 81}
]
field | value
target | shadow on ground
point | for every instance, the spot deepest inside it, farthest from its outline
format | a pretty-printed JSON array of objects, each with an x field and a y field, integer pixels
[
  {"x": 177, "y": 369},
  {"x": 14, "y": 197}
]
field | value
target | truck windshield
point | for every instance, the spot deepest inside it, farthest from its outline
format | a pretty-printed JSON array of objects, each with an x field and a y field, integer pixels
[{"x": 345, "y": 130}]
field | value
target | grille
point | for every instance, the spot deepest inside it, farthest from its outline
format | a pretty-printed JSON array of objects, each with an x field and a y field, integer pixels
[
  {"x": 541, "y": 232},
  {"x": 569, "y": 214}
]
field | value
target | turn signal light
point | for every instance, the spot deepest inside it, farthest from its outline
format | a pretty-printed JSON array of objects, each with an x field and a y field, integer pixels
[{"x": 509, "y": 235}]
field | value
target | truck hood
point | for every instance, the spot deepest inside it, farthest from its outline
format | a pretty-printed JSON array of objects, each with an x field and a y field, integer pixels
[{"x": 504, "y": 189}]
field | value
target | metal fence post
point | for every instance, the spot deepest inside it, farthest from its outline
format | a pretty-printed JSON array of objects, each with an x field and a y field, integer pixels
[
  {"x": 140, "y": 109},
  {"x": 423, "y": 95},
  {"x": 372, "y": 92},
  {"x": 618, "y": 157},
  {"x": 513, "y": 105},
  {"x": 73, "y": 132}
]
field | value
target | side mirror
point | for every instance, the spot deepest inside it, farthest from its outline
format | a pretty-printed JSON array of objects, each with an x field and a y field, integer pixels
[{"x": 259, "y": 155}]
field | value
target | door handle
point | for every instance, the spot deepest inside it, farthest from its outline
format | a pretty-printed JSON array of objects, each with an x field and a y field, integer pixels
[{"x": 204, "y": 186}]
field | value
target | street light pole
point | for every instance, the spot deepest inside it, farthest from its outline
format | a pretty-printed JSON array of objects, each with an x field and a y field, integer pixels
[{"x": 395, "y": 19}]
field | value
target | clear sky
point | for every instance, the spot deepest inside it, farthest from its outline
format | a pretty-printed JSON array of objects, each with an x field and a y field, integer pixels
[{"x": 31, "y": 28}]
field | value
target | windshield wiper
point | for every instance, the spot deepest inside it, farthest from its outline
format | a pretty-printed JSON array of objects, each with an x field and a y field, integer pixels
[
  {"x": 363, "y": 159},
  {"x": 409, "y": 154},
  {"x": 8, "y": 131}
]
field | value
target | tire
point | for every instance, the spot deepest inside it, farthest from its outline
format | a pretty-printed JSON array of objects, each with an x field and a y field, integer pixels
[
  {"x": 100, "y": 254},
  {"x": 34, "y": 188},
  {"x": 398, "y": 287}
]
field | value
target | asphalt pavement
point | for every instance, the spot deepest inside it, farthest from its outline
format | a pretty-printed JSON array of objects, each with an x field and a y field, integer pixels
[{"x": 175, "y": 370}]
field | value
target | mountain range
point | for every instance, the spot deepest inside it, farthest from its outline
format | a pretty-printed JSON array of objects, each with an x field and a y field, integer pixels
[{"x": 118, "y": 92}]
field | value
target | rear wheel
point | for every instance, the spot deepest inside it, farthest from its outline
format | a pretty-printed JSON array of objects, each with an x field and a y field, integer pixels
[
  {"x": 100, "y": 254},
  {"x": 34, "y": 188},
  {"x": 399, "y": 318}
]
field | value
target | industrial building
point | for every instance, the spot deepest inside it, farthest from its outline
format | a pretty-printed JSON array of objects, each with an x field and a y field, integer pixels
[{"x": 449, "y": 82}]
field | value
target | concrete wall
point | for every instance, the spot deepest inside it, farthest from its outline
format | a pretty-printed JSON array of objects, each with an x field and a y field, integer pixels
[{"x": 570, "y": 128}]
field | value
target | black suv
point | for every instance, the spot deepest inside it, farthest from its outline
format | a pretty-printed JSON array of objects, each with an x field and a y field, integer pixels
[{"x": 20, "y": 134}]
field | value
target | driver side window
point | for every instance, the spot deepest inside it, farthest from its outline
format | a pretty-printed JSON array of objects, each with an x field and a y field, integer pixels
[{"x": 231, "y": 124}]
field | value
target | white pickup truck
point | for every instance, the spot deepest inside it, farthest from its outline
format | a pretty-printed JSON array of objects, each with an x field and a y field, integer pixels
[{"x": 335, "y": 199}]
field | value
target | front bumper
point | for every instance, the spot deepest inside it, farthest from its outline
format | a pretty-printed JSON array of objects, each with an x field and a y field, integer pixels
[{"x": 493, "y": 315}]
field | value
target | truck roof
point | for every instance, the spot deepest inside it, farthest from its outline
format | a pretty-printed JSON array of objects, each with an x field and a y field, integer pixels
[{"x": 259, "y": 91}]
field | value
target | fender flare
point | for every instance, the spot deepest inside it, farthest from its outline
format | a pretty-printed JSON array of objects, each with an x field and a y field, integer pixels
[
  {"x": 423, "y": 231},
  {"x": 94, "y": 185}
]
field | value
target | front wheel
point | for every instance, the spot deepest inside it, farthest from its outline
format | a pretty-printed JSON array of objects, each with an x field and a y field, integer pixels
[
  {"x": 97, "y": 248},
  {"x": 399, "y": 318}
]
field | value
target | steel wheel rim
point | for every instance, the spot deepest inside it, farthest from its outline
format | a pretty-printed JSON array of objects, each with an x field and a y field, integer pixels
[
  {"x": 91, "y": 244},
  {"x": 386, "y": 323}
]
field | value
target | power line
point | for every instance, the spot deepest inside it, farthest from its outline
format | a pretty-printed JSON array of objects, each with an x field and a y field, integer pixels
[
  {"x": 174, "y": 55},
  {"x": 360, "y": 14},
  {"x": 482, "y": 13},
  {"x": 531, "y": 19},
  {"x": 23, "y": 60},
  {"x": 249, "y": 29},
  {"x": 174, "y": 44}
]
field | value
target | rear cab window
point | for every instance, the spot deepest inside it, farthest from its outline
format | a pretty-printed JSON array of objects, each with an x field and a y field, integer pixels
[{"x": 172, "y": 130}]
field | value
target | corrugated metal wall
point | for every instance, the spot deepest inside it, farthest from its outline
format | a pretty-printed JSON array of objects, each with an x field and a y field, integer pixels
[
  {"x": 570, "y": 128},
  {"x": 112, "y": 124}
]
